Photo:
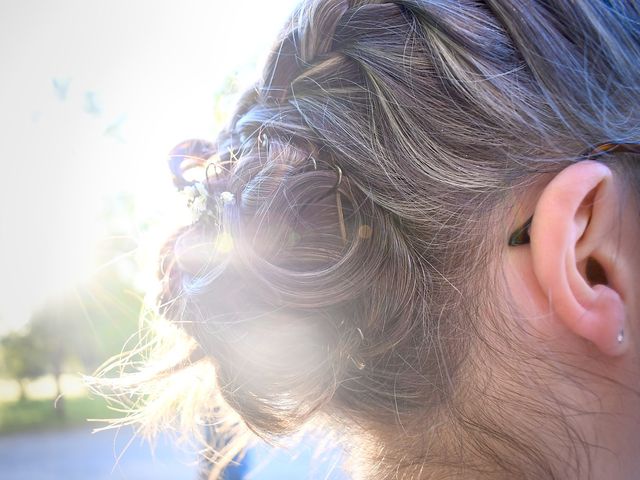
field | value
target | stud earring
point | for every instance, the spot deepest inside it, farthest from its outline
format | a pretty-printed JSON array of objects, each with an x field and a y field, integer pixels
[{"x": 620, "y": 337}]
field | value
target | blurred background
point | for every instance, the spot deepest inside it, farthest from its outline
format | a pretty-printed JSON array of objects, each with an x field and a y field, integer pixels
[{"x": 93, "y": 95}]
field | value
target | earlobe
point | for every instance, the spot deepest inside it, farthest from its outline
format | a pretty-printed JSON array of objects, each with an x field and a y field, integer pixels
[{"x": 573, "y": 224}]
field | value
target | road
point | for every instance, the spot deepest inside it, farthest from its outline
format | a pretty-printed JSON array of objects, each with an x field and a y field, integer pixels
[{"x": 80, "y": 455}]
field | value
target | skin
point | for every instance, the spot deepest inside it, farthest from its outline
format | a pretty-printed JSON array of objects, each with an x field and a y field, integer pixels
[{"x": 585, "y": 213}]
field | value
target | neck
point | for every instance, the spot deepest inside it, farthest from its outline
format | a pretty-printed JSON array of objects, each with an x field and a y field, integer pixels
[{"x": 525, "y": 436}]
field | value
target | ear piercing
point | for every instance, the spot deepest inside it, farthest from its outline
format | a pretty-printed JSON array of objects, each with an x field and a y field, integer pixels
[{"x": 620, "y": 337}]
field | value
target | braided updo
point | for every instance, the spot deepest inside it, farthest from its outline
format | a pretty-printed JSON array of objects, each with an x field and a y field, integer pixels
[
  {"x": 372, "y": 169},
  {"x": 326, "y": 282}
]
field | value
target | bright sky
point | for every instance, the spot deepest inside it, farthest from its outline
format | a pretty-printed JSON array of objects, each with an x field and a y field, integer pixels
[{"x": 93, "y": 94}]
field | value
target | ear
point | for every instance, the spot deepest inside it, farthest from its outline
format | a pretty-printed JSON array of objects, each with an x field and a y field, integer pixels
[{"x": 573, "y": 240}]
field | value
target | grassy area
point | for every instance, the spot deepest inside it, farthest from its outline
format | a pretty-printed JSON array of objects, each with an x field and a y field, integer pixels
[{"x": 43, "y": 414}]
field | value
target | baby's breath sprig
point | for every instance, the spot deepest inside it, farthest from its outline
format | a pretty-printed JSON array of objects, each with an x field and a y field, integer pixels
[{"x": 198, "y": 200}]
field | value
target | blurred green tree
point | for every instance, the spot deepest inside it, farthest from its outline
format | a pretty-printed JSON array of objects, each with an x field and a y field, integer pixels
[
  {"x": 79, "y": 330},
  {"x": 82, "y": 329},
  {"x": 21, "y": 359}
]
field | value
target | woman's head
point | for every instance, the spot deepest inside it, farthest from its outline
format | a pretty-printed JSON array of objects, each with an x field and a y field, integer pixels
[{"x": 352, "y": 265}]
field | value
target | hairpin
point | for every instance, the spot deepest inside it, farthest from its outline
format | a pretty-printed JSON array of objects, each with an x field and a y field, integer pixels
[
  {"x": 264, "y": 141},
  {"x": 187, "y": 156},
  {"x": 343, "y": 229}
]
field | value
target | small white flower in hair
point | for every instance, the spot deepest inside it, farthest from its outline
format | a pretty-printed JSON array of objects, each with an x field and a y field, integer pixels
[
  {"x": 198, "y": 207},
  {"x": 196, "y": 195},
  {"x": 227, "y": 198},
  {"x": 190, "y": 192}
]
